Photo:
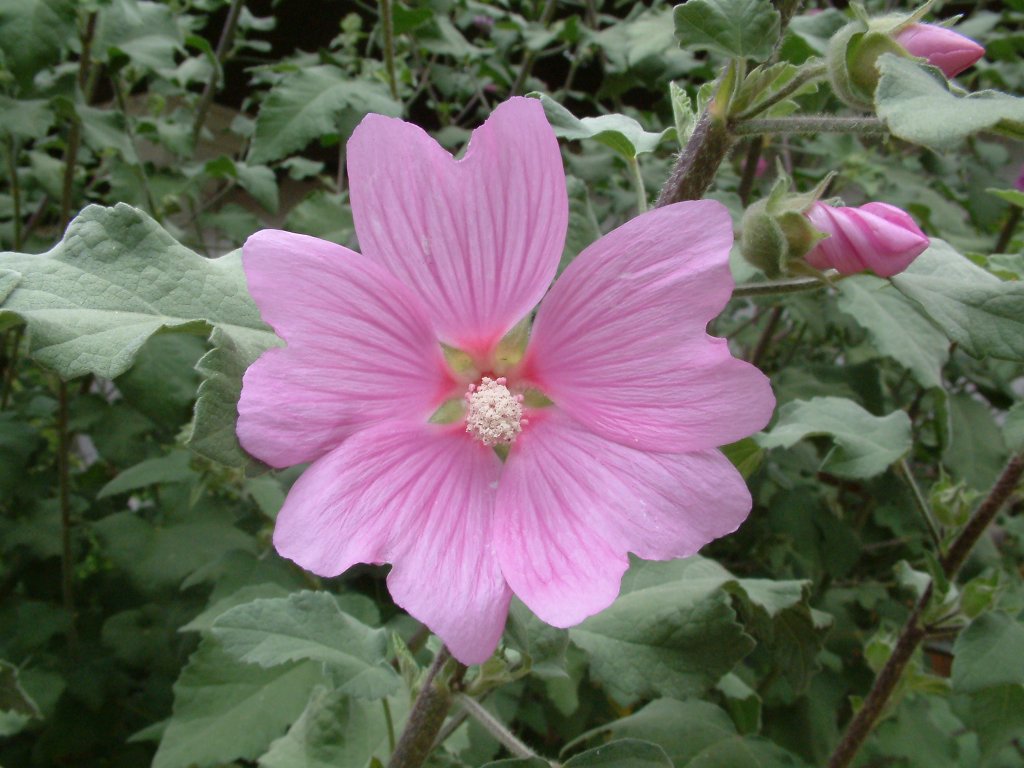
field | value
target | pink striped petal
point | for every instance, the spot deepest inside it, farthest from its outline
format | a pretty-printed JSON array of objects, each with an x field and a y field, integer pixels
[
  {"x": 360, "y": 348},
  {"x": 418, "y": 496},
  {"x": 572, "y": 504},
  {"x": 479, "y": 238},
  {"x": 620, "y": 342}
]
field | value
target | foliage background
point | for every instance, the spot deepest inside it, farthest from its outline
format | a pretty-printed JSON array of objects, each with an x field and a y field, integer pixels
[{"x": 144, "y": 616}]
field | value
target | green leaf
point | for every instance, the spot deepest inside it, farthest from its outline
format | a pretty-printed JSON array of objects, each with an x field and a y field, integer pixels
[
  {"x": 314, "y": 102},
  {"x": 25, "y": 119},
  {"x": 625, "y": 753},
  {"x": 682, "y": 728},
  {"x": 917, "y": 105},
  {"x": 865, "y": 445},
  {"x": 17, "y": 709},
  {"x": 105, "y": 130},
  {"x": 976, "y": 452},
  {"x": 583, "y": 226},
  {"x": 668, "y": 634},
  {"x": 619, "y": 132},
  {"x": 323, "y": 214},
  {"x": 172, "y": 468},
  {"x": 745, "y": 752},
  {"x": 116, "y": 279},
  {"x": 1013, "y": 428},
  {"x": 33, "y": 33},
  {"x": 737, "y": 28},
  {"x": 541, "y": 643},
  {"x": 146, "y": 32},
  {"x": 990, "y": 652},
  {"x": 258, "y": 180},
  {"x": 1012, "y": 196},
  {"x": 334, "y": 731},
  {"x": 997, "y": 715},
  {"x": 974, "y": 308},
  {"x": 161, "y": 556},
  {"x": 225, "y": 710},
  {"x": 309, "y": 625},
  {"x": 897, "y": 328}
]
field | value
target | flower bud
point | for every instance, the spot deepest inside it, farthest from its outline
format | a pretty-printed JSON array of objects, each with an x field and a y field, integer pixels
[
  {"x": 774, "y": 238},
  {"x": 852, "y": 59},
  {"x": 876, "y": 236},
  {"x": 941, "y": 47}
]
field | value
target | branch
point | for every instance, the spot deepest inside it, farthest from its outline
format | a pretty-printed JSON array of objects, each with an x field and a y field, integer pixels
[
  {"x": 427, "y": 715},
  {"x": 868, "y": 126}
]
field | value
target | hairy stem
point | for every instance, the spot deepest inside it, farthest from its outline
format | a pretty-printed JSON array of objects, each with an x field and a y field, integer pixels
[
  {"x": 427, "y": 715},
  {"x": 12, "y": 168},
  {"x": 75, "y": 129},
  {"x": 387, "y": 22},
  {"x": 10, "y": 363},
  {"x": 772, "y": 287},
  {"x": 493, "y": 726},
  {"x": 765, "y": 339},
  {"x": 698, "y": 163},
  {"x": 913, "y": 632},
  {"x": 227, "y": 39},
  {"x": 750, "y": 169},
  {"x": 814, "y": 124}
]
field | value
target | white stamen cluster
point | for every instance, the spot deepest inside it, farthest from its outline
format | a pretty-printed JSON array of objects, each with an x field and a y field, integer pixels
[{"x": 495, "y": 415}]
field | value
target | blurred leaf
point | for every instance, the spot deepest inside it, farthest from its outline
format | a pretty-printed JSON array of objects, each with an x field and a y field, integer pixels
[
  {"x": 623, "y": 134},
  {"x": 172, "y": 468},
  {"x": 33, "y": 33},
  {"x": 989, "y": 653},
  {"x": 625, "y": 753},
  {"x": 162, "y": 382},
  {"x": 25, "y": 119},
  {"x": 1013, "y": 428},
  {"x": 17, "y": 709},
  {"x": 309, "y": 625},
  {"x": 917, "y": 106},
  {"x": 314, "y": 102},
  {"x": 737, "y": 28},
  {"x": 897, "y": 328},
  {"x": 976, "y": 452},
  {"x": 226, "y": 710},
  {"x": 997, "y": 715},
  {"x": 974, "y": 308},
  {"x": 865, "y": 444},
  {"x": 1012, "y": 196},
  {"x": 745, "y": 752},
  {"x": 323, "y": 214},
  {"x": 543, "y": 644},
  {"x": 146, "y": 32}
]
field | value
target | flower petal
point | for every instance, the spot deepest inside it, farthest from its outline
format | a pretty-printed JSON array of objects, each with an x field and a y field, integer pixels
[
  {"x": 571, "y": 505},
  {"x": 418, "y": 496},
  {"x": 479, "y": 238},
  {"x": 620, "y": 343},
  {"x": 360, "y": 349}
]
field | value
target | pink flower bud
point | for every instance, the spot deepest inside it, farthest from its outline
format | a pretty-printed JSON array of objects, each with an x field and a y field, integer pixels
[
  {"x": 941, "y": 47},
  {"x": 877, "y": 237}
]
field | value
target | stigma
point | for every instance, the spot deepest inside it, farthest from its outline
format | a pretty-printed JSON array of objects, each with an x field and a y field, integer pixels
[{"x": 494, "y": 415}]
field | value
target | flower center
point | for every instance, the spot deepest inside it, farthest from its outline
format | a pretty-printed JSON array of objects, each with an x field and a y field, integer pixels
[{"x": 495, "y": 415}]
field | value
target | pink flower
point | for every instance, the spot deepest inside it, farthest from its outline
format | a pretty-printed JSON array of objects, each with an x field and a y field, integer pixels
[
  {"x": 875, "y": 236},
  {"x": 941, "y": 47},
  {"x": 620, "y": 458}
]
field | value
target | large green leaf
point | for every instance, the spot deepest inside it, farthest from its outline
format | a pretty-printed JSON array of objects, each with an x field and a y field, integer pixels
[
  {"x": 625, "y": 753},
  {"x": 917, "y": 106},
  {"x": 314, "y": 102},
  {"x": 309, "y": 625},
  {"x": 33, "y": 33},
  {"x": 620, "y": 132},
  {"x": 865, "y": 445},
  {"x": 990, "y": 652},
  {"x": 897, "y": 328},
  {"x": 997, "y": 715},
  {"x": 116, "y": 279},
  {"x": 973, "y": 307},
  {"x": 334, "y": 731},
  {"x": 226, "y": 710},
  {"x": 745, "y": 752},
  {"x": 737, "y": 28}
]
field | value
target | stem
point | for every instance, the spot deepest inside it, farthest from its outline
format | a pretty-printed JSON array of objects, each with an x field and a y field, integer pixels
[
  {"x": 799, "y": 80},
  {"x": 1006, "y": 234},
  {"x": 493, "y": 726},
  {"x": 388, "y": 23},
  {"x": 227, "y": 38},
  {"x": 913, "y": 633},
  {"x": 122, "y": 104},
  {"x": 698, "y": 163},
  {"x": 766, "y": 335},
  {"x": 920, "y": 503},
  {"x": 750, "y": 169},
  {"x": 816, "y": 124},
  {"x": 528, "y": 60},
  {"x": 638, "y": 184},
  {"x": 427, "y": 715},
  {"x": 772, "y": 287},
  {"x": 12, "y": 362},
  {"x": 389, "y": 723},
  {"x": 67, "y": 563},
  {"x": 75, "y": 129}
]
